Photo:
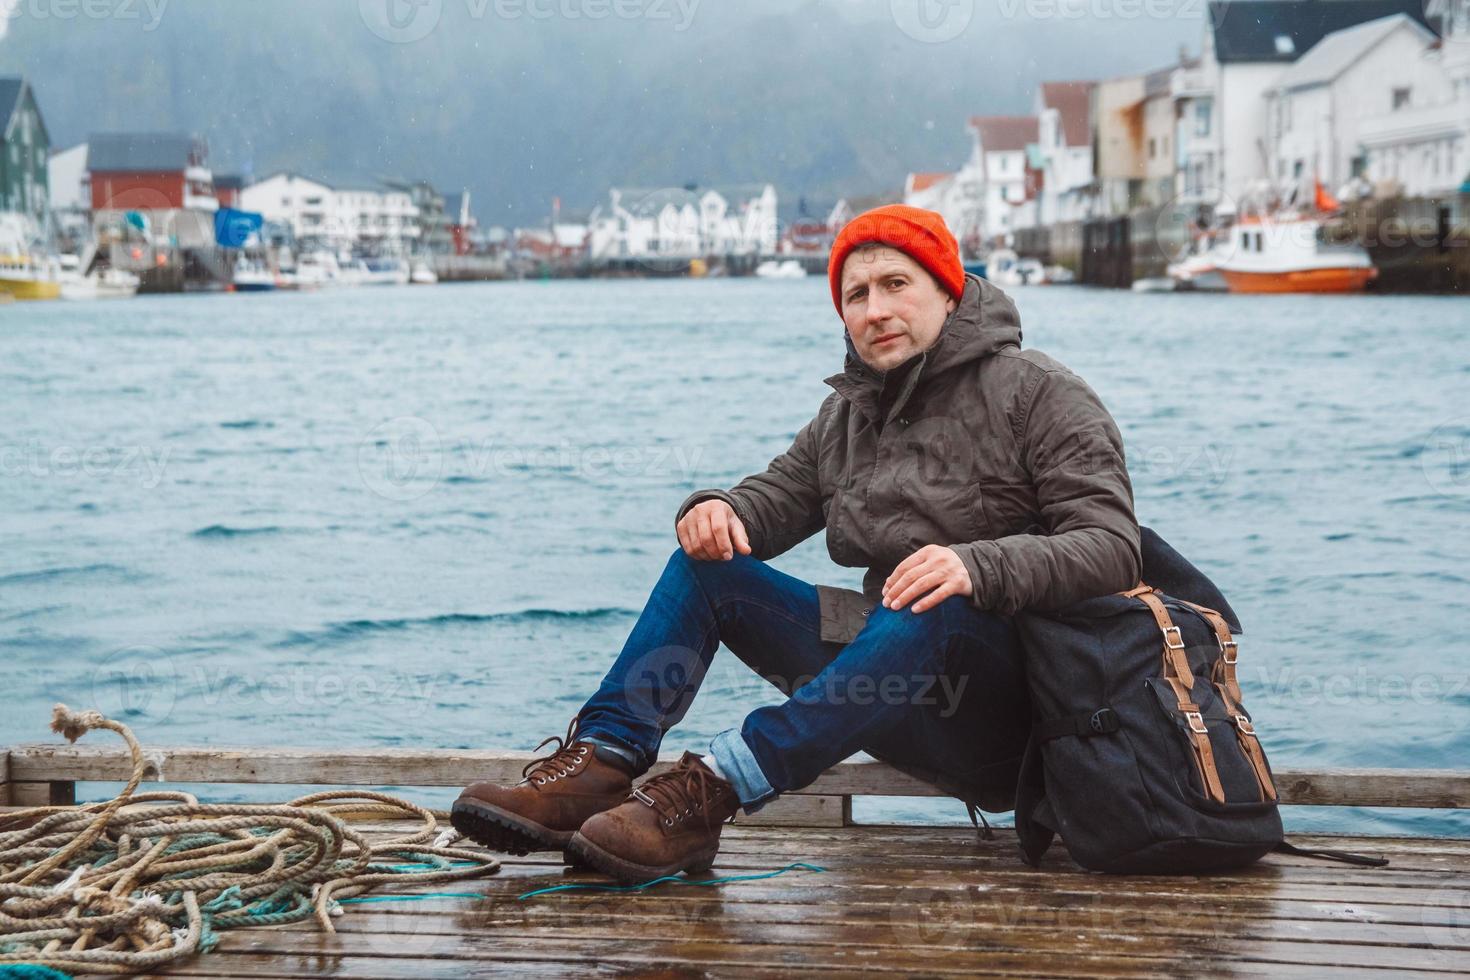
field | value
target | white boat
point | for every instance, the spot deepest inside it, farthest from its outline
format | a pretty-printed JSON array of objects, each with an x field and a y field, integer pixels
[
  {"x": 1199, "y": 271},
  {"x": 789, "y": 269},
  {"x": 423, "y": 274},
  {"x": 1155, "y": 284},
  {"x": 1293, "y": 254},
  {"x": 1008, "y": 269},
  {"x": 316, "y": 269},
  {"x": 381, "y": 272},
  {"x": 101, "y": 282},
  {"x": 252, "y": 277}
]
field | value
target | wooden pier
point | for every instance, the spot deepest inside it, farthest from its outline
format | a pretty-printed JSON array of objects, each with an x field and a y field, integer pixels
[{"x": 931, "y": 900}]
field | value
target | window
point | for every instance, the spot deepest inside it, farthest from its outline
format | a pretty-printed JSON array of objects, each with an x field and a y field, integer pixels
[
  {"x": 1203, "y": 110},
  {"x": 1298, "y": 168},
  {"x": 1401, "y": 97},
  {"x": 1153, "y": 148}
]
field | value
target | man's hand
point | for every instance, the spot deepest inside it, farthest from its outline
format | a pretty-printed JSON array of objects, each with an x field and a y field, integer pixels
[
  {"x": 934, "y": 572},
  {"x": 710, "y": 531}
]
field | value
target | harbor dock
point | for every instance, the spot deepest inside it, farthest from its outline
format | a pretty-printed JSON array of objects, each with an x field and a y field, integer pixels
[{"x": 931, "y": 900}]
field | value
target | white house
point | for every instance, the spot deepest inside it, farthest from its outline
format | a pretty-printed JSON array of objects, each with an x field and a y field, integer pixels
[
  {"x": 70, "y": 190},
  {"x": 1224, "y": 139},
  {"x": 1064, "y": 118},
  {"x": 1318, "y": 106},
  {"x": 1418, "y": 141},
  {"x": 998, "y": 154},
  {"x": 685, "y": 223},
  {"x": 344, "y": 215}
]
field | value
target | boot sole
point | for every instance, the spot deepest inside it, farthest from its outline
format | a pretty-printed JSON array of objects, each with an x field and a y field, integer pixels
[
  {"x": 631, "y": 873},
  {"x": 501, "y": 830}
]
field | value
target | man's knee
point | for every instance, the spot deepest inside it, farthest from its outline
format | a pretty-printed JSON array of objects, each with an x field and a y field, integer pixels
[{"x": 716, "y": 576}]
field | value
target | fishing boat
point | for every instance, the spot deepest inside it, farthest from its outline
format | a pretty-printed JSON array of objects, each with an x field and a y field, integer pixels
[
  {"x": 1293, "y": 255},
  {"x": 25, "y": 270},
  {"x": 24, "y": 276},
  {"x": 423, "y": 274}
]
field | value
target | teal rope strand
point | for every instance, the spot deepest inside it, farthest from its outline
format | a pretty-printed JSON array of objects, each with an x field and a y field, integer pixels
[
  {"x": 366, "y": 899},
  {"x": 676, "y": 879}
]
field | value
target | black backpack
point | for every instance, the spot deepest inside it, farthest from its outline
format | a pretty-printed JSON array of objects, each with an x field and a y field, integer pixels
[{"x": 1143, "y": 756}]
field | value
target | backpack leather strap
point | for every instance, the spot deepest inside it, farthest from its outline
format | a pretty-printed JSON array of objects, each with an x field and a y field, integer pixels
[
  {"x": 1229, "y": 689},
  {"x": 1181, "y": 679}
]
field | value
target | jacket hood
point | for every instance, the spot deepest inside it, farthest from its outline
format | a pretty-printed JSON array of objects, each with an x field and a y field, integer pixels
[{"x": 984, "y": 321}]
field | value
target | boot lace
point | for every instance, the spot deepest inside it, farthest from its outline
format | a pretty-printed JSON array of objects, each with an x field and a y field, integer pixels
[
  {"x": 561, "y": 761},
  {"x": 682, "y": 793}
]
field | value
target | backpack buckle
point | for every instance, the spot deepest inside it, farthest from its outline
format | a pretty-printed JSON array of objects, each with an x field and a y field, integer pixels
[
  {"x": 1244, "y": 724},
  {"x": 1173, "y": 638},
  {"x": 1196, "y": 723},
  {"x": 1230, "y": 651},
  {"x": 1103, "y": 721}
]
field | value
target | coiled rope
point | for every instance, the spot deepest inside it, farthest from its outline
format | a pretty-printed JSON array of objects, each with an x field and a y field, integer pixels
[{"x": 144, "y": 879}]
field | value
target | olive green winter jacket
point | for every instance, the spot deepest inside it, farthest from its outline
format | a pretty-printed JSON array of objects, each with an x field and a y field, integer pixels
[{"x": 1000, "y": 453}]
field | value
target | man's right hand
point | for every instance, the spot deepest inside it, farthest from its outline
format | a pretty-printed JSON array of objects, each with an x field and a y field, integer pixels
[{"x": 710, "y": 531}]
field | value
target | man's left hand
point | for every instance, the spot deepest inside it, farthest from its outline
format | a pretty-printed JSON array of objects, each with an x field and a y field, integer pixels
[{"x": 933, "y": 572}]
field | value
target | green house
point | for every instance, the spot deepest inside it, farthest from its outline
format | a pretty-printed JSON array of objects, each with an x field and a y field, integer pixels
[{"x": 23, "y": 185}]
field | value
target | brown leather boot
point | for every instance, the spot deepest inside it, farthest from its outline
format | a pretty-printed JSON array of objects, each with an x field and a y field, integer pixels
[
  {"x": 558, "y": 792},
  {"x": 670, "y": 823}
]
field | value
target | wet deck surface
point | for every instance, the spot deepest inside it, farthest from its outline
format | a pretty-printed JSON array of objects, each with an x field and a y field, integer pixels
[{"x": 928, "y": 900}]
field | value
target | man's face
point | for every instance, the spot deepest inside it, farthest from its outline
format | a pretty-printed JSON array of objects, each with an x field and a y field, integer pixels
[{"x": 892, "y": 306}]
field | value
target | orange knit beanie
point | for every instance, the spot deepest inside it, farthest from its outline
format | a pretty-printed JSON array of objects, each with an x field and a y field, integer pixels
[{"x": 918, "y": 233}]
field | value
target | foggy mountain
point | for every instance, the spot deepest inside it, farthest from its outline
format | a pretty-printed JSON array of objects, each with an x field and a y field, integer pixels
[{"x": 523, "y": 100}]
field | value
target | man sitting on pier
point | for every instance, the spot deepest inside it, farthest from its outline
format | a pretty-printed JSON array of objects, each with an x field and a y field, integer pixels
[{"x": 971, "y": 478}]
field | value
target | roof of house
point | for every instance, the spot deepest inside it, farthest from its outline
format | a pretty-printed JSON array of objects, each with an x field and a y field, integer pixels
[
  {"x": 1340, "y": 50},
  {"x": 228, "y": 182},
  {"x": 1073, "y": 102},
  {"x": 1284, "y": 30},
  {"x": 1003, "y": 134},
  {"x": 12, "y": 90},
  {"x": 924, "y": 181},
  {"x": 142, "y": 152}
]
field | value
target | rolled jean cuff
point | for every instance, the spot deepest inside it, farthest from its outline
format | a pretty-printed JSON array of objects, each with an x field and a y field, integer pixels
[{"x": 738, "y": 764}]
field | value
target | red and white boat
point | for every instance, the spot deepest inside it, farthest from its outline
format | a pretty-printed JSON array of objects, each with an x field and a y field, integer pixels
[{"x": 1292, "y": 253}]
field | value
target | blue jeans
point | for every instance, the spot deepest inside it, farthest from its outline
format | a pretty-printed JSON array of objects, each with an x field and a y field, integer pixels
[{"x": 942, "y": 690}]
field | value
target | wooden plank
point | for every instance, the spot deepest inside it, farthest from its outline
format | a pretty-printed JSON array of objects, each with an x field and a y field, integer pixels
[
  {"x": 1427, "y": 788},
  {"x": 53, "y": 793},
  {"x": 802, "y": 810},
  {"x": 4, "y": 777}
]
